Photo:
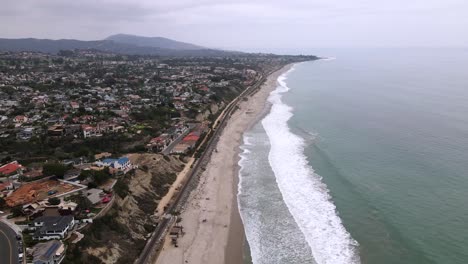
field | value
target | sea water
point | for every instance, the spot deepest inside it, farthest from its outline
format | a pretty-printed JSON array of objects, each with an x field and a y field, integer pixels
[{"x": 361, "y": 159}]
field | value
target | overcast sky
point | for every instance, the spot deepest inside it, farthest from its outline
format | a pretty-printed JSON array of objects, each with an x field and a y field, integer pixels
[{"x": 246, "y": 25}]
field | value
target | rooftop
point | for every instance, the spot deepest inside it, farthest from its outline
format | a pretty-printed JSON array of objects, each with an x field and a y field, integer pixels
[
  {"x": 52, "y": 223},
  {"x": 43, "y": 252},
  {"x": 10, "y": 168}
]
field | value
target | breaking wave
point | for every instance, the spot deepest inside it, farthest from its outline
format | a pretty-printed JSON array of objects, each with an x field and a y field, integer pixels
[{"x": 304, "y": 194}]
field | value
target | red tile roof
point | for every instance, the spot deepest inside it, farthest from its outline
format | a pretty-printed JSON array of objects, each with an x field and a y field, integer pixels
[
  {"x": 191, "y": 138},
  {"x": 10, "y": 168}
]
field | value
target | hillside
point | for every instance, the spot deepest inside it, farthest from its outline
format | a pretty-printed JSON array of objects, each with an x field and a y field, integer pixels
[
  {"x": 120, "y": 235},
  {"x": 54, "y": 46},
  {"x": 155, "y": 42}
]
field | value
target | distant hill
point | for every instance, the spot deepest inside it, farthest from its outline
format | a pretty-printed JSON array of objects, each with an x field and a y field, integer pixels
[
  {"x": 155, "y": 42},
  {"x": 124, "y": 44}
]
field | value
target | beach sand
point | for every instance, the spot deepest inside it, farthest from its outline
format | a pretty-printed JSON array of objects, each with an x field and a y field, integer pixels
[{"x": 213, "y": 228}]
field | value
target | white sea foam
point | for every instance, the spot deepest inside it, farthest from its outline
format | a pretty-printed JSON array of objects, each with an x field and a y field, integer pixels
[
  {"x": 252, "y": 234},
  {"x": 328, "y": 59},
  {"x": 303, "y": 192}
]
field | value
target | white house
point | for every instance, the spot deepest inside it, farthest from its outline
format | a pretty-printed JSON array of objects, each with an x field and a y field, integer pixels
[
  {"x": 121, "y": 164},
  {"x": 52, "y": 227}
]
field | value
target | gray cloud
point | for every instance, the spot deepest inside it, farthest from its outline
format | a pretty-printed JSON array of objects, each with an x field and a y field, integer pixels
[{"x": 255, "y": 24}]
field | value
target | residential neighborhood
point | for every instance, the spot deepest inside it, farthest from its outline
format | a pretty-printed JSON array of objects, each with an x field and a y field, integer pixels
[{"x": 70, "y": 124}]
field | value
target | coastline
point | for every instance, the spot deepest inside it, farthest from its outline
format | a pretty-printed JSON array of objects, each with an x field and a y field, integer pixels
[{"x": 212, "y": 223}]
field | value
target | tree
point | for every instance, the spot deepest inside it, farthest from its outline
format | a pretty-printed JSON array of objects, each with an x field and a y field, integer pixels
[
  {"x": 54, "y": 169},
  {"x": 2, "y": 203},
  {"x": 17, "y": 211},
  {"x": 82, "y": 202},
  {"x": 54, "y": 201}
]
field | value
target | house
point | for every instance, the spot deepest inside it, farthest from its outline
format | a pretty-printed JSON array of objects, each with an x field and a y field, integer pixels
[
  {"x": 6, "y": 186},
  {"x": 90, "y": 131},
  {"x": 94, "y": 195},
  {"x": 51, "y": 252},
  {"x": 74, "y": 105},
  {"x": 11, "y": 169},
  {"x": 159, "y": 143},
  {"x": 33, "y": 208},
  {"x": 179, "y": 105},
  {"x": 122, "y": 164},
  {"x": 68, "y": 206},
  {"x": 52, "y": 227},
  {"x": 20, "y": 119},
  {"x": 56, "y": 130},
  {"x": 25, "y": 134}
]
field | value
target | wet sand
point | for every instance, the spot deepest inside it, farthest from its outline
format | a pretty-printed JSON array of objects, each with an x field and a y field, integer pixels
[{"x": 211, "y": 220}]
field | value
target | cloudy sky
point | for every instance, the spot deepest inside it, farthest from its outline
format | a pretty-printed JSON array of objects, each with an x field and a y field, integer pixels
[{"x": 246, "y": 24}]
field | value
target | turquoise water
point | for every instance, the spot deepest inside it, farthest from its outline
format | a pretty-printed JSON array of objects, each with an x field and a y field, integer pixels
[
  {"x": 380, "y": 134},
  {"x": 389, "y": 135}
]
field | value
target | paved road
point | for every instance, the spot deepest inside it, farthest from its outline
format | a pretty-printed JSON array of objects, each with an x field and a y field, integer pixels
[
  {"x": 176, "y": 141},
  {"x": 8, "y": 245}
]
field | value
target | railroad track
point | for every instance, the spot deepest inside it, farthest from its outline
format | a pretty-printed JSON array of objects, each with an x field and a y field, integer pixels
[{"x": 155, "y": 242}]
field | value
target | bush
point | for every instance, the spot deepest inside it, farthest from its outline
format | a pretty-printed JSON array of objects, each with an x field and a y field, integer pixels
[
  {"x": 54, "y": 201},
  {"x": 92, "y": 185},
  {"x": 17, "y": 211},
  {"x": 98, "y": 177}
]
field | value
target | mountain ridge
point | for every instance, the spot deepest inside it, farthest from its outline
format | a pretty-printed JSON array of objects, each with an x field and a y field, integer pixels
[
  {"x": 157, "y": 42},
  {"x": 131, "y": 46}
]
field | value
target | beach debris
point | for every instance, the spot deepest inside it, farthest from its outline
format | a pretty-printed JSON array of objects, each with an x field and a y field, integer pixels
[{"x": 204, "y": 221}]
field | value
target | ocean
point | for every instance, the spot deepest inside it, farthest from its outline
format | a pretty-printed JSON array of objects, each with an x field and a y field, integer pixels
[{"x": 362, "y": 158}]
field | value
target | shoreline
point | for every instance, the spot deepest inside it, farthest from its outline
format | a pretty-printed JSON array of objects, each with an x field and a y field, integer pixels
[
  {"x": 213, "y": 227},
  {"x": 237, "y": 238}
]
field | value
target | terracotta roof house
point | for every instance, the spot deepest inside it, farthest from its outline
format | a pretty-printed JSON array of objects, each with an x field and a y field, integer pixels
[
  {"x": 20, "y": 119},
  {"x": 11, "y": 168}
]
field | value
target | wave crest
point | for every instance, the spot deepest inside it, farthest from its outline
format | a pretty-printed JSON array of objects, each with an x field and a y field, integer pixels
[{"x": 304, "y": 194}]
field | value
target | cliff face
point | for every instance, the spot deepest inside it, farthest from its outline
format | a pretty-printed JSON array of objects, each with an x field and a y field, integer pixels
[
  {"x": 213, "y": 110},
  {"x": 120, "y": 235}
]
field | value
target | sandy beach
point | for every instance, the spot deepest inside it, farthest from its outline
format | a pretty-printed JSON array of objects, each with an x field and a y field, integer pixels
[{"x": 211, "y": 220}]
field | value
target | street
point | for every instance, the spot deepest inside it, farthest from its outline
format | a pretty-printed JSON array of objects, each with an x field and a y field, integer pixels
[
  {"x": 169, "y": 148},
  {"x": 8, "y": 245}
]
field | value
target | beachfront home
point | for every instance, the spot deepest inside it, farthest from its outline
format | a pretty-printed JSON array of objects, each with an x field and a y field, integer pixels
[
  {"x": 52, "y": 227},
  {"x": 122, "y": 164}
]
